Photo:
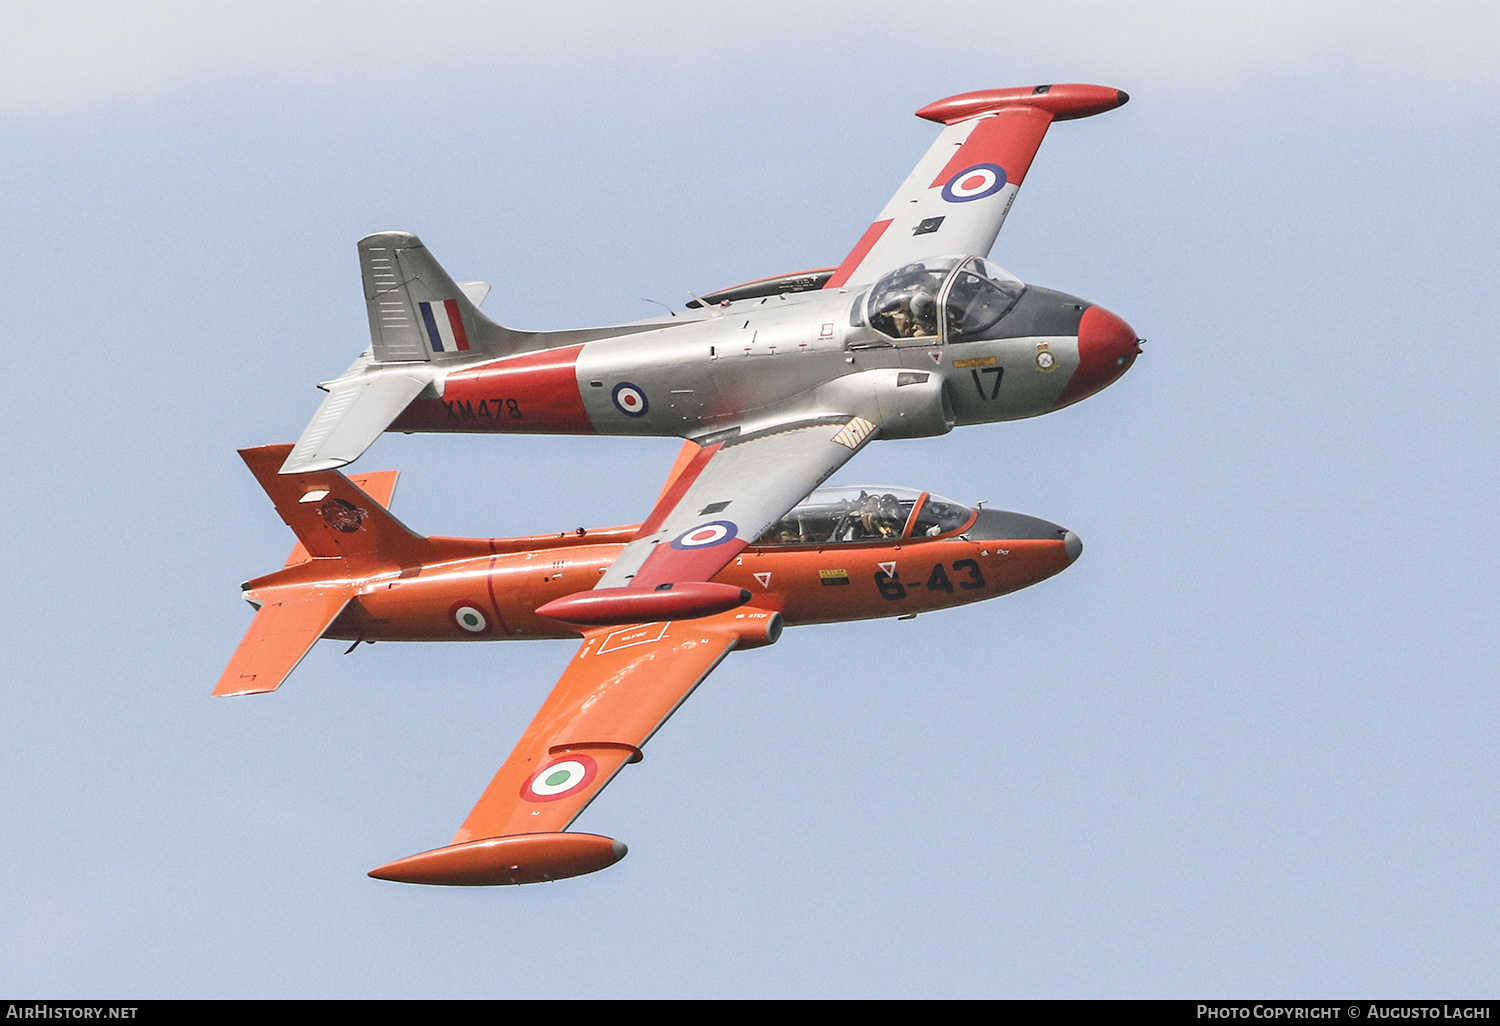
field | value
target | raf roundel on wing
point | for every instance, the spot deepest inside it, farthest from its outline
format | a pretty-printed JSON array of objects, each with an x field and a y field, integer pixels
[
  {"x": 974, "y": 183},
  {"x": 715, "y": 532}
]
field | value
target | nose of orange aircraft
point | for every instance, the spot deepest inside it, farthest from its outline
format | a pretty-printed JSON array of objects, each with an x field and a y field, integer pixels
[
  {"x": 998, "y": 525},
  {"x": 1107, "y": 346}
]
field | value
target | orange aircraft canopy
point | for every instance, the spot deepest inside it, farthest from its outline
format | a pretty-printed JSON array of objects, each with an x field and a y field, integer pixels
[{"x": 850, "y": 514}]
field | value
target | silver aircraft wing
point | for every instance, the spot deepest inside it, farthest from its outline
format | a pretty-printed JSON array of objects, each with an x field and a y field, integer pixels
[
  {"x": 956, "y": 200},
  {"x": 728, "y": 493}
]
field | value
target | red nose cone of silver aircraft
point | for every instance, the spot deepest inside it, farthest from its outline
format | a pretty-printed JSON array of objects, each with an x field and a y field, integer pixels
[{"x": 1107, "y": 346}]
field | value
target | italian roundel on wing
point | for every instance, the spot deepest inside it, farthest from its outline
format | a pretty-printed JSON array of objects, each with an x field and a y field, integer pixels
[{"x": 560, "y": 778}]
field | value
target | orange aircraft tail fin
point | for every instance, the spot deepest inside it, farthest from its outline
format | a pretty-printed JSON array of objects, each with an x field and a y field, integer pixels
[
  {"x": 379, "y": 485},
  {"x": 333, "y": 516}
]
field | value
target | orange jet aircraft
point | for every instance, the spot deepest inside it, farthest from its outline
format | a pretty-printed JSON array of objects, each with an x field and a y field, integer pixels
[{"x": 359, "y": 574}]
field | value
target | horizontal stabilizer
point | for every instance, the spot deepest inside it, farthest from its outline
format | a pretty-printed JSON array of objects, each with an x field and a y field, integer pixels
[
  {"x": 283, "y": 631},
  {"x": 349, "y": 420},
  {"x": 475, "y": 291}
]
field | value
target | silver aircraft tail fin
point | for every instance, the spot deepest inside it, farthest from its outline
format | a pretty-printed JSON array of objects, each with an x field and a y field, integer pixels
[
  {"x": 420, "y": 320},
  {"x": 423, "y": 325},
  {"x": 418, "y": 313}
]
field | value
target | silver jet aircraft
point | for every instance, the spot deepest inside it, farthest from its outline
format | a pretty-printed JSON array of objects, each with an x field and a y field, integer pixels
[{"x": 778, "y": 382}]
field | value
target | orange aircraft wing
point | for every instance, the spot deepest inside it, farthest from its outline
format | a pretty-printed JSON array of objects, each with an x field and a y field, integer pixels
[
  {"x": 283, "y": 631},
  {"x": 617, "y": 691}
]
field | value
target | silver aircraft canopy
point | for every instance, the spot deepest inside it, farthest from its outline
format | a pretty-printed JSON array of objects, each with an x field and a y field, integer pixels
[{"x": 960, "y": 297}]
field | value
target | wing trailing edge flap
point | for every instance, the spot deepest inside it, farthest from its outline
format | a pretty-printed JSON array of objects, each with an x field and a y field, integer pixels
[
  {"x": 728, "y": 494},
  {"x": 283, "y": 631},
  {"x": 350, "y": 418},
  {"x": 618, "y": 690}
]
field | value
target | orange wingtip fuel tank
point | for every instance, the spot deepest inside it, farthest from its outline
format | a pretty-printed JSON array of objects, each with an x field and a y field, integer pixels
[
  {"x": 604, "y": 607},
  {"x": 514, "y": 859}
]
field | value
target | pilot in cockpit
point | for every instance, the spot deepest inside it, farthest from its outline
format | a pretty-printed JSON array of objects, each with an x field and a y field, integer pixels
[
  {"x": 880, "y": 515},
  {"x": 905, "y": 303},
  {"x": 924, "y": 312}
]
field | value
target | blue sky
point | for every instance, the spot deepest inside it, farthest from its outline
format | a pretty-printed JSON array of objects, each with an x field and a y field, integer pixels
[{"x": 1244, "y": 746}]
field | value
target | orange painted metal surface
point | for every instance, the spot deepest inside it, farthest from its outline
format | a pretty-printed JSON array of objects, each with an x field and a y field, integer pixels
[
  {"x": 518, "y": 859},
  {"x": 285, "y": 627},
  {"x": 620, "y": 687},
  {"x": 614, "y": 607},
  {"x": 376, "y": 580},
  {"x": 418, "y": 589}
]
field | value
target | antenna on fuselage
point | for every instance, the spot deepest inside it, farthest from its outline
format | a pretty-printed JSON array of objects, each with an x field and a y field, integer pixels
[{"x": 710, "y": 306}]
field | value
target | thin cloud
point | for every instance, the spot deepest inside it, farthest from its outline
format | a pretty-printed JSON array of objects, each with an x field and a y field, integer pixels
[{"x": 61, "y": 57}]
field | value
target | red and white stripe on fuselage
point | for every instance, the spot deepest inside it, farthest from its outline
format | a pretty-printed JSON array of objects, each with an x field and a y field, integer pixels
[{"x": 534, "y": 393}]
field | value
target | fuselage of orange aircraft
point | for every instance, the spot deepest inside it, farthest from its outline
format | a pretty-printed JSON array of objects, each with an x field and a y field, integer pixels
[
  {"x": 847, "y": 553},
  {"x": 358, "y": 573}
]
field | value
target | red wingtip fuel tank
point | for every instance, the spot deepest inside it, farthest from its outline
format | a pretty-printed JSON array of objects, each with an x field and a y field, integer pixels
[
  {"x": 1064, "y": 102},
  {"x": 605, "y": 607},
  {"x": 1107, "y": 346},
  {"x": 515, "y": 859}
]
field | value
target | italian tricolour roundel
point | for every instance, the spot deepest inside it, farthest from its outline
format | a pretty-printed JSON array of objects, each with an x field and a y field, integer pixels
[
  {"x": 469, "y": 618},
  {"x": 715, "y": 532},
  {"x": 630, "y": 400},
  {"x": 560, "y": 778},
  {"x": 974, "y": 183}
]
